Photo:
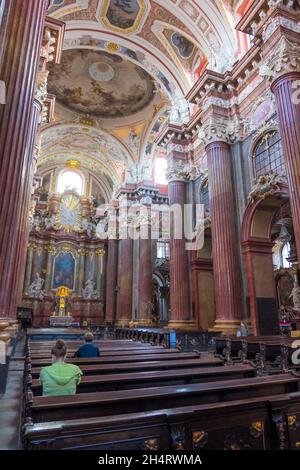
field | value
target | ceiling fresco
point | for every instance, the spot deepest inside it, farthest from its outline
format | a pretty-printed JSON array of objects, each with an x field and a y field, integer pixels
[
  {"x": 100, "y": 84},
  {"x": 126, "y": 68},
  {"x": 123, "y": 15},
  {"x": 83, "y": 139}
]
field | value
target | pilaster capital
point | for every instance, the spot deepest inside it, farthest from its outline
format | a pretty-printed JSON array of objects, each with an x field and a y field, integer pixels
[
  {"x": 219, "y": 129},
  {"x": 179, "y": 170},
  {"x": 285, "y": 59}
]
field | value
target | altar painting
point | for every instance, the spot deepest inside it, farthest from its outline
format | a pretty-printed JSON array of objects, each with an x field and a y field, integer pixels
[{"x": 64, "y": 270}]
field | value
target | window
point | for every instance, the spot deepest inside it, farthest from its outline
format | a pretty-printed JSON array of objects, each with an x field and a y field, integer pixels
[
  {"x": 268, "y": 155},
  {"x": 70, "y": 180},
  {"x": 160, "y": 170},
  {"x": 162, "y": 250}
]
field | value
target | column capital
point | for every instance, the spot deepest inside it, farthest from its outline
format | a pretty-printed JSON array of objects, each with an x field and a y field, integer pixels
[
  {"x": 219, "y": 129},
  {"x": 284, "y": 60},
  {"x": 178, "y": 170}
]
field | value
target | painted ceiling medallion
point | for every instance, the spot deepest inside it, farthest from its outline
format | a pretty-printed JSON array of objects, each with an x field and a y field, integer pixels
[
  {"x": 101, "y": 72},
  {"x": 100, "y": 84},
  {"x": 127, "y": 16}
]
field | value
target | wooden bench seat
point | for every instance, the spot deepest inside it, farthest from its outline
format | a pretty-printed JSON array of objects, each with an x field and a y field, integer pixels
[
  {"x": 104, "y": 352},
  {"x": 249, "y": 424},
  {"x": 114, "y": 344},
  {"x": 268, "y": 352},
  {"x": 85, "y": 405},
  {"x": 184, "y": 376},
  {"x": 94, "y": 368},
  {"x": 132, "y": 358}
]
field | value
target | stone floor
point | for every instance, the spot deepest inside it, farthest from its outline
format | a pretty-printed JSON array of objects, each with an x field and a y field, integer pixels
[{"x": 11, "y": 403}]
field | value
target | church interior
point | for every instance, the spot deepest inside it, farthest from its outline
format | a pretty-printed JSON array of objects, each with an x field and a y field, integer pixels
[{"x": 150, "y": 209}]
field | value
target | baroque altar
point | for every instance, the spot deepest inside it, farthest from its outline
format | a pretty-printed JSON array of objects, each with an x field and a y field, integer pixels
[{"x": 64, "y": 252}]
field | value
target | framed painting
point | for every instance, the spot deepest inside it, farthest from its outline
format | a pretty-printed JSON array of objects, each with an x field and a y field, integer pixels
[{"x": 64, "y": 270}]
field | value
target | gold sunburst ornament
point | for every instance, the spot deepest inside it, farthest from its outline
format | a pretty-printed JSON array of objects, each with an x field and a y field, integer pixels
[{"x": 69, "y": 213}]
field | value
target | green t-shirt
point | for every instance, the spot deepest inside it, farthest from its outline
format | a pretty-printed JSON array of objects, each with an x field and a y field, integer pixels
[{"x": 60, "y": 379}]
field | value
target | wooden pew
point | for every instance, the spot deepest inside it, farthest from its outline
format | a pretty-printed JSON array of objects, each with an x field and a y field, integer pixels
[
  {"x": 135, "y": 352},
  {"x": 134, "y": 358},
  {"x": 101, "y": 383},
  {"x": 112, "y": 345},
  {"x": 250, "y": 424},
  {"x": 87, "y": 405},
  {"x": 96, "y": 369},
  {"x": 270, "y": 353},
  {"x": 107, "y": 352}
]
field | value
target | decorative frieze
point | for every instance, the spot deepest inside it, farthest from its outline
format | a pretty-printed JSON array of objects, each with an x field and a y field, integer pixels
[
  {"x": 274, "y": 23},
  {"x": 285, "y": 59}
]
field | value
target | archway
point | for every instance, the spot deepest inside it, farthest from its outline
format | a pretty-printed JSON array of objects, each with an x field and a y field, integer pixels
[
  {"x": 257, "y": 248},
  {"x": 160, "y": 298}
]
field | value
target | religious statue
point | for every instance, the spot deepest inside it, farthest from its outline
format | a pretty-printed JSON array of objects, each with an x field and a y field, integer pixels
[
  {"x": 295, "y": 295},
  {"x": 62, "y": 302},
  {"x": 36, "y": 223},
  {"x": 35, "y": 290},
  {"x": 133, "y": 140},
  {"x": 265, "y": 185},
  {"x": 88, "y": 227},
  {"x": 89, "y": 292},
  {"x": 49, "y": 222}
]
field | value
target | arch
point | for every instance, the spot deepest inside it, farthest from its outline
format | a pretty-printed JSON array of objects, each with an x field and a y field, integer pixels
[
  {"x": 96, "y": 148},
  {"x": 87, "y": 35},
  {"x": 160, "y": 293},
  {"x": 257, "y": 252}
]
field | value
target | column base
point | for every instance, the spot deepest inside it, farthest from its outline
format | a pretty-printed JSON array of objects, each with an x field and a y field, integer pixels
[
  {"x": 182, "y": 325},
  {"x": 122, "y": 323},
  {"x": 144, "y": 322},
  {"x": 230, "y": 327}
]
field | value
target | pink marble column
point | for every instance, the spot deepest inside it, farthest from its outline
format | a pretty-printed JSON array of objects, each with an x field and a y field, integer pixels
[
  {"x": 225, "y": 247},
  {"x": 145, "y": 275},
  {"x": 111, "y": 281},
  {"x": 125, "y": 281},
  {"x": 23, "y": 229},
  {"x": 288, "y": 109},
  {"x": 181, "y": 313},
  {"x": 21, "y": 52}
]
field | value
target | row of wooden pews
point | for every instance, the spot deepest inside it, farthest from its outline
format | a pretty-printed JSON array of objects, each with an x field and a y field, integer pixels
[
  {"x": 270, "y": 354},
  {"x": 155, "y": 398}
]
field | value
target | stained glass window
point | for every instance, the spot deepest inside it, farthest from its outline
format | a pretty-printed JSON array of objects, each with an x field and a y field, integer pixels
[{"x": 268, "y": 155}]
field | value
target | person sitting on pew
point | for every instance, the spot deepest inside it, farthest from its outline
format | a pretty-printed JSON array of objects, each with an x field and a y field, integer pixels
[
  {"x": 88, "y": 349},
  {"x": 60, "y": 378}
]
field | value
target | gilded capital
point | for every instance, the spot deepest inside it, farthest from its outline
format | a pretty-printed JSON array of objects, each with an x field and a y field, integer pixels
[
  {"x": 178, "y": 171},
  {"x": 219, "y": 129},
  {"x": 285, "y": 59}
]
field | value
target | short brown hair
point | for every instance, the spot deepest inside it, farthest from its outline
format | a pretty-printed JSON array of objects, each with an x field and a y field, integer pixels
[
  {"x": 60, "y": 349},
  {"x": 89, "y": 337}
]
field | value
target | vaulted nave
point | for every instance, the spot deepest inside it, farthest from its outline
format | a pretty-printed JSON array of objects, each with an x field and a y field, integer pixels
[{"x": 150, "y": 225}]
